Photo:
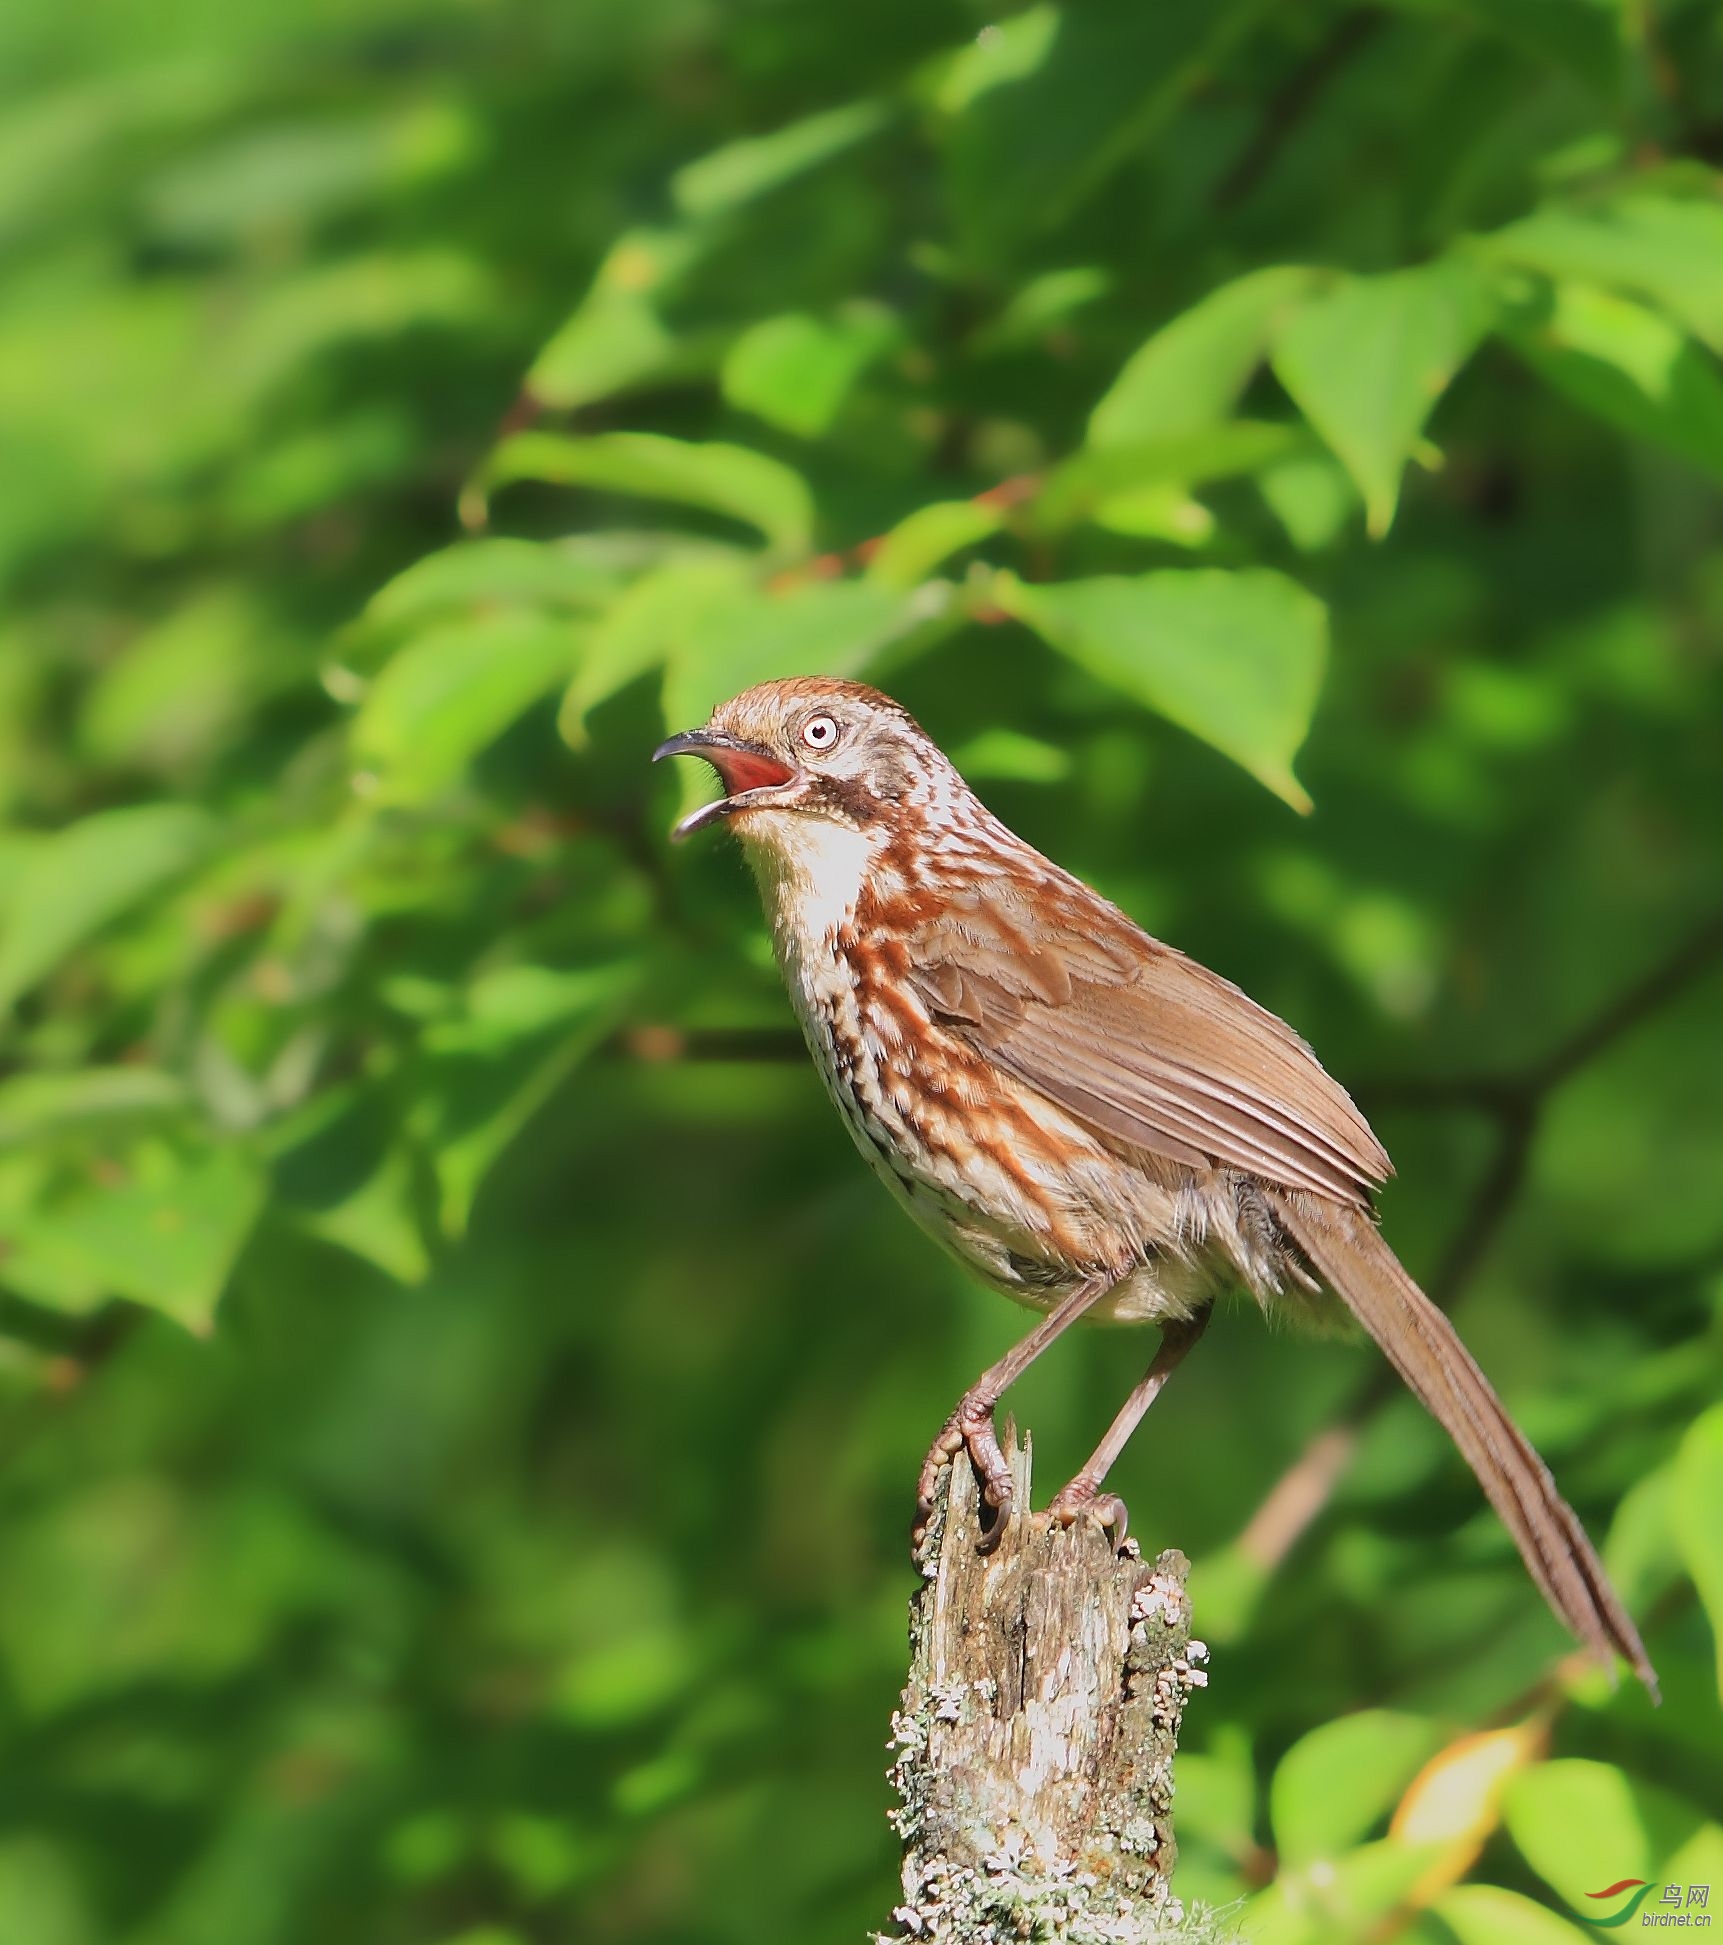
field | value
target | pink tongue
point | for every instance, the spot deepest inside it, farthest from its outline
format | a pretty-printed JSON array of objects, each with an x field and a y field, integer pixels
[{"x": 745, "y": 770}]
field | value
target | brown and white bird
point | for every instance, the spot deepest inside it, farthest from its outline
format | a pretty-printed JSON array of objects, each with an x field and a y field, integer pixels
[{"x": 1093, "y": 1123}]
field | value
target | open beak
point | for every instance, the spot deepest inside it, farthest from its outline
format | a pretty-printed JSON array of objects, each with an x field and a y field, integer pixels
[{"x": 746, "y": 771}]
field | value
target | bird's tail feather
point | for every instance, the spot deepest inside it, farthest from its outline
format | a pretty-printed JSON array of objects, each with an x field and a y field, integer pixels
[{"x": 1421, "y": 1344}]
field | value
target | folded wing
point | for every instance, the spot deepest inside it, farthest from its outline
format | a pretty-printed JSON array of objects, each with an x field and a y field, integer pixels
[{"x": 1140, "y": 1043}]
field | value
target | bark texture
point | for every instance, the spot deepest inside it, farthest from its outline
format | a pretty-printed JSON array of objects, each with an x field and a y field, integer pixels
[{"x": 1035, "y": 1741}]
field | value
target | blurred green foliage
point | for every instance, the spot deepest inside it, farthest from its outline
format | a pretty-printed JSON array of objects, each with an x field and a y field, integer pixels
[{"x": 461, "y": 1396}]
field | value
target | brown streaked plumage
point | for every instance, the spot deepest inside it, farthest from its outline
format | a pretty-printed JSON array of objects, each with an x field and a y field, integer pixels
[{"x": 1092, "y": 1122}]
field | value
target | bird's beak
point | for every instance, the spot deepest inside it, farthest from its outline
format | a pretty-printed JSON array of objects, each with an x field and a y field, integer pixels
[{"x": 747, "y": 772}]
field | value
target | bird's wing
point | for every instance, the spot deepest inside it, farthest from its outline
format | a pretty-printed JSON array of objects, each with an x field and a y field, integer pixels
[{"x": 1138, "y": 1042}]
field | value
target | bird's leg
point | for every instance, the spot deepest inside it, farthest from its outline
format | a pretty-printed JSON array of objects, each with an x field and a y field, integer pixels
[
  {"x": 1083, "y": 1496},
  {"x": 970, "y": 1426}
]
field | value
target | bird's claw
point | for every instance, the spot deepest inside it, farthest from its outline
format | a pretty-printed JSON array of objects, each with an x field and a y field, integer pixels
[
  {"x": 969, "y": 1428},
  {"x": 1080, "y": 1500},
  {"x": 996, "y": 1495},
  {"x": 940, "y": 1454}
]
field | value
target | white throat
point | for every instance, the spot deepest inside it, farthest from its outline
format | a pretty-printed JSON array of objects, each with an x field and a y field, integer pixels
[{"x": 811, "y": 872}]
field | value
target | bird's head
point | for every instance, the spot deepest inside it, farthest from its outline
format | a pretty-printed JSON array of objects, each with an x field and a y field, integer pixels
[{"x": 811, "y": 748}]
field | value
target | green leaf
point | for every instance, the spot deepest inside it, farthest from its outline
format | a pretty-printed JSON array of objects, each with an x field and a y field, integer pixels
[
  {"x": 1343, "y": 1778},
  {"x": 603, "y": 349},
  {"x": 1484, "y": 1914},
  {"x": 1643, "y": 1552},
  {"x": 500, "y": 573},
  {"x": 1191, "y": 372},
  {"x": 1012, "y": 51},
  {"x": 1217, "y": 1792},
  {"x": 301, "y": 473},
  {"x": 617, "y": 337},
  {"x": 624, "y": 1681},
  {"x": 379, "y": 1222},
  {"x": 1582, "y": 1825},
  {"x": 479, "y": 1091},
  {"x": 1009, "y": 755},
  {"x": 342, "y": 1173},
  {"x": 180, "y": 691},
  {"x": 1164, "y": 512},
  {"x": 1311, "y": 496},
  {"x": 1050, "y": 102},
  {"x": 796, "y": 371},
  {"x": 514, "y": 1003},
  {"x": 163, "y": 1227},
  {"x": 1236, "y": 659},
  {"x": 824, "y": 627},
  {"x": 911, "y": 550},
  {"x": 1101, "y": 477},
  {"x": 1043, "y": 304},
  {"x": 743, "y": 170},
  {"x": 75, "y": 882},
  {"x": 45, "y": 1896},
  {"x": 1698, "y": 1516},
  {"x": 645, "y": 626},
  {"x": 1587, "y": 37},
  {"x": 1348, "y": 1899},
  {"x": 1631, "y": 367},
  {"x": 42, "y": 1107},
  {"x": 731, "y": 480},
  {"x": 450, "y": 693},
  {"x": 1367, "y": 360},
  {"x": 382, "y": 295},
  {"x": 1700, "y": 1859},
  {"x": 1664, "y": 248},
  {"x": 298, "y": 172}
]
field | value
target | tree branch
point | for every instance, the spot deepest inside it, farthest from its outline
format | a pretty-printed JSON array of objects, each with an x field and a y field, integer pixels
[{"x": 1037, "y": 1731}]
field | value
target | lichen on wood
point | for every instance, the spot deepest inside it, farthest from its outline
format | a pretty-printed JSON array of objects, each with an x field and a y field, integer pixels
[{"x": 1034, "y": 1745}]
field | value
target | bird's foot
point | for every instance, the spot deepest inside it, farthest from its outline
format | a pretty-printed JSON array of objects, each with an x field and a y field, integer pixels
[
  {"x": 1082, "y": 1500},
  {"x": 970, "y": 1428}
]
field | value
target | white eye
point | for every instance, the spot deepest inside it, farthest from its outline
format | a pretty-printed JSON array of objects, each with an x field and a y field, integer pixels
[{"x": 820, "y": 732}]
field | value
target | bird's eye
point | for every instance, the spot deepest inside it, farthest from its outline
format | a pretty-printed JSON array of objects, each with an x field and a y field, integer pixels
[{"x": 820, "y": 732}]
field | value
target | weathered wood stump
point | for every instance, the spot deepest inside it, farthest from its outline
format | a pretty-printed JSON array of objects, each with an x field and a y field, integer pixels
[{"x": 1036, "y": 1736}]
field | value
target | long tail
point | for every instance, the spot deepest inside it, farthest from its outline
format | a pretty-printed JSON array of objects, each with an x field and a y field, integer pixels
[{"x": 1343, "y": 1244}]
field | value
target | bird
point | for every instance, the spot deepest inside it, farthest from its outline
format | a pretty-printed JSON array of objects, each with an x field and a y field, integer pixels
[{"x": 1092, "y": 1122}]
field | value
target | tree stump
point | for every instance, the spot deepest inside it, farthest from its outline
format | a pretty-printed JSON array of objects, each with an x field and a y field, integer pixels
[{"x": 1036, "y": 1736}]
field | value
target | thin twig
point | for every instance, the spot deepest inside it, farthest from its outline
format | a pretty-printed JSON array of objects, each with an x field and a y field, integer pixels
[
  {"x": 657, "y": 1044},
  {"x": 1290, "y": 106},
  {"x": 1638, "y": 1003}
]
